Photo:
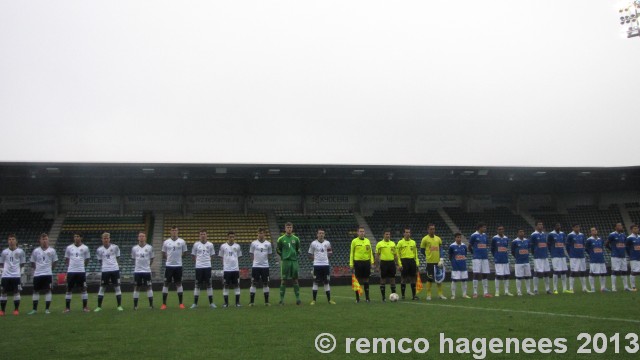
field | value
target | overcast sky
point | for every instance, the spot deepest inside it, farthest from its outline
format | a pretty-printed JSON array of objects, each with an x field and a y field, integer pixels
[{"x": 437, "y": 82}]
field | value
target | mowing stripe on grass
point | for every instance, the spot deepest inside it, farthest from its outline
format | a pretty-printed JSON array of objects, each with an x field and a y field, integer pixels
[{"x": 514, "y": 311}]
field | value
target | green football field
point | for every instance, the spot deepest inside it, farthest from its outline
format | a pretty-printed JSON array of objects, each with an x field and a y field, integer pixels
[{"x": 290, "y": 331}]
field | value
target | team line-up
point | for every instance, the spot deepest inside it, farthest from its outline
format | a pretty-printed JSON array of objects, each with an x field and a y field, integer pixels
[{"x": 389, "y": 257}]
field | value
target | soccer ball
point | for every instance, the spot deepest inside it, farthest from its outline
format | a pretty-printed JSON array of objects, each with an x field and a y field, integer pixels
[{"x": 393, "y": 297}]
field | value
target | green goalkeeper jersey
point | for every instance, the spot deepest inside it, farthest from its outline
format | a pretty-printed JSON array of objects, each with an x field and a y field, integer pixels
[{"x": 288, "y": 247}]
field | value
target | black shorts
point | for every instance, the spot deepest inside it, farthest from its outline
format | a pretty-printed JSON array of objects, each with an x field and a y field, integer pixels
[
  {"x": 142, "y": 279},
  {"x": 362, "y": 268},
  {"x": 322, "y": 273},
  {"x": 110, "y": 277},
  {"x": 387, "y": 269},
  {"x": 231, "y": 278},
  {"x": 431, "y": 272},
  {"x": 78, "y": 279},
  {"x": 259, "y": 274},
  {"x": 409, "y": 268},
  {"x": 42, "y": 282},
  {"x": 10, "y": 285},
  {"x": 203, "y": 276},
  {"x": 173, "y": 274}
]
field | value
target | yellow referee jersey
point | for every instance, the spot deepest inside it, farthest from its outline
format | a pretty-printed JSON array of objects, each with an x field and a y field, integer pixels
[
  {"x": 407, "y": 250},
  {"x": 386, "y": 250},
  {"x": 360, "y": 250}
]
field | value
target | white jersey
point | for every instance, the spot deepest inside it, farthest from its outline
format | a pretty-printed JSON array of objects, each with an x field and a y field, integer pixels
[
  {"x": 44, "y": 260},
  {"x": 230, "y": 255},
  {"x": 203, "y": 254},
  {"x": 261, "y": 251},
  {"x": 174, "y": 251},
  {"x": 142, "y": 257},
  {"x": 109, "y": 257},
  {"x": 12, "y": 259},
  {"x": 320, "y": 252},
  {"x": 76, "y": 255}
]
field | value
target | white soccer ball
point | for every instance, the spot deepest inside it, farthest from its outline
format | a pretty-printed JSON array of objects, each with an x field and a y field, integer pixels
[{"x": 394, "y": 297}]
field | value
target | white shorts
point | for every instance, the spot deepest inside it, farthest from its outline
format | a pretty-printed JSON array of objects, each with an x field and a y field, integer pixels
[
  {"x": 523, "y": 270},
  {"x": 598, "y": 269},
  {"x": 578, "y": 264},
  {"x": 619, "y": 264},
  {"x": 502, "y": 269},
  {"x": 480, "y": 266},
  {"x": 459, "y": 275},
  {"x": 635, "y": 266},
  {"x": 541, "y": 265},
  {"x": 559, "y": 264}
]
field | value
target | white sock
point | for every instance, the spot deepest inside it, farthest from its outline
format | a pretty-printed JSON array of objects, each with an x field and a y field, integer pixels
[
  {"x": 485, "y": 285},
  {"x": 209, "y": 291},
  {"x": 527, "y": 284},
  {"x": 149, "y": 292},
  {"x": 314, "y": 287},
  {"x": 101, "y": 291},
  {"x": 464, "y": 288},
  {"x": 225, "y": 292},
  {"x": 506, "y": 286},
  {"x": 583, "y": 281},
  {"x": 592, "y": 282},
  {"x": 196, "y": 292},
  {"x": 3, "y": 297},
  {"x": 475, "y": 286},
  {"x": 632, "y": 281},
  {"x": 118, "y": 291},
  {"x": 453, "y": 288},
  {"x": 165, "y": 290},
  {"x": 36, "y": 297},
  {"x": 613, "y": 282},
  {"x": 17, "y": 297},
  {"x": 85, "y": 296},
  {"x": 571, "y": 281},
  {"x": 327, "y": 287},
  {"x": 555, "y": 282},
  {"x": 625, "y": 282},
  {"x": 237, "y": 291},
  {"x": 136, "y": 294},
  {"x": 603, "y": 282},
  {"x": 497, "y": 285},
  {"x": 535, "y": 284},
  {"x": 47, "y": 296},
  {"x": 180, "y": 289},
  {"x": 265, "y": 289},
  {"x": 546, "y": 283},
  {"x": 252, "y": 289},
  {"x": 518, "y": 285},
  {"x": 68, "y": 296},
  {"x": 564, "y": 281}
]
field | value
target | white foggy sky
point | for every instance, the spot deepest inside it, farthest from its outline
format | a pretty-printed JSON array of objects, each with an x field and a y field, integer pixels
[{"x": 438, "y": 82}]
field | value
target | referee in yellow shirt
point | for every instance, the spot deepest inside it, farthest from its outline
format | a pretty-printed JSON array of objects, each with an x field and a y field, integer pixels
[
  {"x": 431, "y": 247},
  {"x": 360, "y": 261},
  {"x": 408, "y": 253},
  {"x": 387, "y": 258}
]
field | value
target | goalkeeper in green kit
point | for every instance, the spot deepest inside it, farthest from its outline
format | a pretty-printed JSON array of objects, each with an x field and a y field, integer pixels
[{"x": 288, "y": 248}]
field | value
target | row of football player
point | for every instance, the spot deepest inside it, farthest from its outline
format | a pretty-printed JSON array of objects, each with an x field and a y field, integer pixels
[{"x": 555, "y": 245}]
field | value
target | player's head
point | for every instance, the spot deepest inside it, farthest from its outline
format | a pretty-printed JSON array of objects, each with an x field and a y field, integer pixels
[
  {"x": 202, "y": 235},
  {"x": 44, "y": 240},
  {"x": 594, "y": 232},
  {"x": 431, "y": 229},
  {"x": 634, "y": 228},
  {"x": 174, "y": 232},
  {"x": 261, "y": 234},
  {"x": 386, "y": 235},
  {"x": 407, "y": 233},
  {"x": 619, "y": 227},
  {"x": 576, "y": 228},
  {"x": 361, "y": 232},
  {"x": 500, "y": 230},
  {"x": 539, "y": 226},
  {"x": 320, "y": 234},
  {"x": 142, "y": 238},
  {"x": 106, "y": 239},
  {"x": 231, "y": 237},
  {"x": 77, "y": 238},
  {"x": 458, "y": 237},
  {"x": 521, "y": 233},
  {"x": 288, "y": 228},
  {"x": 13, "y": 241},
  {"x": 481, "y": 227}
]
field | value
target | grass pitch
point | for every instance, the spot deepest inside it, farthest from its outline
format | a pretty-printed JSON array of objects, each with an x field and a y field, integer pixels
[{"x": 287, "y": 332}]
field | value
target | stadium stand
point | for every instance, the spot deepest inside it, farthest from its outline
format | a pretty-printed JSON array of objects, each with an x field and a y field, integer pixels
[
  {"x": 124, "y": 233},
  {"x": 217, "y": 224}
]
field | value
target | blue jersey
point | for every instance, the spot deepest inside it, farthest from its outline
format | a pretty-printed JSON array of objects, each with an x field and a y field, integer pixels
[
  {"x": 595, "y": 249},
  {"x": 575, "y": 245},
  {"x": 539, "y": 245},
  {"x": 478, "y": 244},
  {"x": 557, "y": 243},
  {"x": 458, "y": 257},
  {"x": 520, "y": 250},
  {"x": 633, "y": 247},
  {"x": 500, "y": 249},
  {"x": 617, "y": 244}
]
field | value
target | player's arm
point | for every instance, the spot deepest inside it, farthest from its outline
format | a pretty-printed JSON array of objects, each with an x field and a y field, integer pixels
[
  {"x": 629, "y": 245},
  {"x": 513, "y": 248},
  {"x": 193, "y": 253},
  {"x": 371, "y": 255},
  {"x": 534, "y": 243},
  {"x": 423, "y": 247},
  {"x": 551, "y": 241},
  {"x": 184, "y": 248},
  {"x": 494, "y": 247},
  {"x": 87, "y": 258},
  {"x": 472, "y": 241},
  {"x": 329, "y": 250},
  {"x": 451, "y": 254},
  {"x": 588, "y": 246},
  {"x": 279, "y": 247},
  {"x": 415, "y": 256},
  {"x": 164, "y": 251},
  {"x": 443, "y": 253},
  {"x": 607, "y": 243},
  {"x": 353, "y": 247}
]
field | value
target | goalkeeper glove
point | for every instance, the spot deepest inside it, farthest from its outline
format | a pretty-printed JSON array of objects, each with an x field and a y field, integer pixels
[{"x": 440, "y": 263}]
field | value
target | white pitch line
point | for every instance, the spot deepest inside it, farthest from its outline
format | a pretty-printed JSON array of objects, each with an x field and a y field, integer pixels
[{"x": 514, "y": 311}]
